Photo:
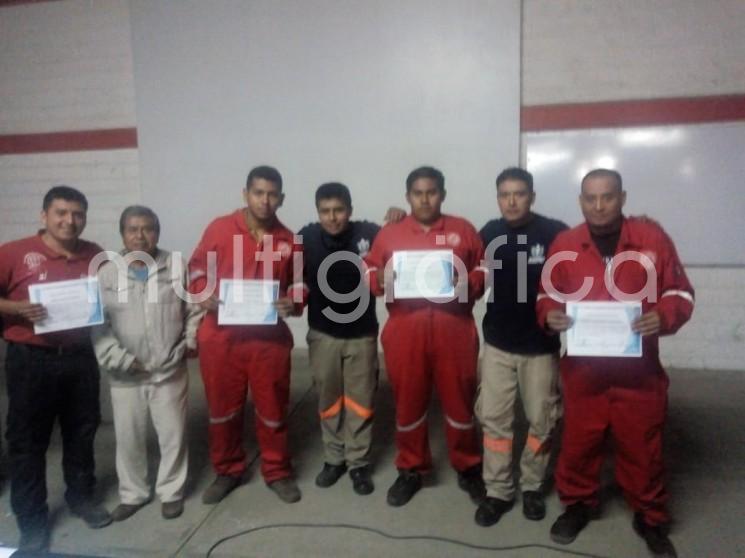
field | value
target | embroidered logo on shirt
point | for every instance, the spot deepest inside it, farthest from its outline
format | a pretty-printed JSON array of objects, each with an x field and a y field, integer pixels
[
  {"x": 363, "y": 247},
  {"x": 537, "y": 254},
  {"x": 453, "y": 239},
  {"x": 33, "y": 261}
]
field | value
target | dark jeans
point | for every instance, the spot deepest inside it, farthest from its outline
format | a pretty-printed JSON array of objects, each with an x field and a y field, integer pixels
[{"x": 44, "y": 385}]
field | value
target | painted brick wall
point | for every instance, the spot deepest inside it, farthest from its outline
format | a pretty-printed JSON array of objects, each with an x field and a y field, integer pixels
[
  {"x": 715, "y": 336},
  {"x": 596, "y": 50},
  {"x": 65, "y": 66},
  {"x": 109, "y": 179}
]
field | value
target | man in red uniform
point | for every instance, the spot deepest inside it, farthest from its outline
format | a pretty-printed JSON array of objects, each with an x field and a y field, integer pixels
[
  {"x": 49, "y": 376},
  {"x": 249, "y": 243},
  {"x": 428, "y": 342},
  {"x": 613, "y": 257}
]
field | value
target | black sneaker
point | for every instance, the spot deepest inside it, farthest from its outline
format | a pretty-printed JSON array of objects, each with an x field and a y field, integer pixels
[
  {"x": 533, "y": 505},
  {"x": 330, "y": 474},
  {"x": 34, "y": 540},
  {"x": 568, "y": 525},
  {"x": 490, "y": 511},
  {"x": 655, "y": 536},
  {"x": 407, "y": 484},
  {"x": 95, "y": 516},
  {"x": 472, "y": 482}
]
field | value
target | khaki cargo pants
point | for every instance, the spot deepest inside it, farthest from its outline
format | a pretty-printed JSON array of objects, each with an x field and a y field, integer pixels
[
  {"x": 345, "y": 372},
  {"x": 504, "y": 377}
]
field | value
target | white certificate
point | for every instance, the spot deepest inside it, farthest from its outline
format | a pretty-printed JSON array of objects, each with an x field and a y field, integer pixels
[
  {"x": 603, "y": 329},
  {"x": 247, "y": 302},
  {"x": 423, "y": 274},
  {"x": 69, "y": 304}
]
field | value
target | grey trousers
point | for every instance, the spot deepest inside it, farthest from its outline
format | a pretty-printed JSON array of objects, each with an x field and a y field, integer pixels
[
  {"x": 166, "y": 405},
  {"x": 346, "y": 376},
  {"x": 504, "y": 377}
]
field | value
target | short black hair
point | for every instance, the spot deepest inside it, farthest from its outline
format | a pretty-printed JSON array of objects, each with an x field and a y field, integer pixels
[
  {"x": 67, "y": 193},
  {"x": 138, "y": 211},
  {"x": 426, "y": 172},
  {"x": 335, "y": 190},
  {"x": 267, "y": 173},
  {"x": 604, "y": 173},
  {"x": 516, "y": 173}
]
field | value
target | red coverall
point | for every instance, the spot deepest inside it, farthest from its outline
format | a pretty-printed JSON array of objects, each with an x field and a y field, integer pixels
[
  {"x": 425, "y": 341},
  {"x": 233, "y": 358},
  {"x": 625, "y": 396}
]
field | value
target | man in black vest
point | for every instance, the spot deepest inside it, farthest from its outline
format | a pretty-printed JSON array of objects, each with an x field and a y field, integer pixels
[
  {"x": 520, "y": 359},
  {"x": 342, "y": 338}
]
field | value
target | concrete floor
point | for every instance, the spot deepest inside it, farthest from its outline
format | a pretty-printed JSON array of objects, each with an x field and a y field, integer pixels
[{"x": 705, "y": 454}]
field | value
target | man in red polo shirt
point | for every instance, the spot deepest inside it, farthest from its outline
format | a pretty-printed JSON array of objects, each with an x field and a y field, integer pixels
[
  {"x": 49, "y": 376},
  {"x": 430, "y": 342},
  {"x": 249, "y": 243},
  {"x": 611, "y": 257}
]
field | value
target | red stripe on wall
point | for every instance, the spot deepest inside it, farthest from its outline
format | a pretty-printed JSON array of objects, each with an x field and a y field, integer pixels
[
  {"x": 4, "y": 3},
  {"x": 573, "y": 116},
  {"x": 82, "y": 140},
  {"x": 619, "y": 114}
]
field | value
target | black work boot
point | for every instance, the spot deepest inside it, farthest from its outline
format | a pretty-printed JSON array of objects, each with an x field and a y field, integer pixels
[
  {"x": 472, "y": 482},
  {"x": 655, "y": 536},
  {"x": 362, "y": 482},
  {"x": 491, "y": 510},
  {"x": 568, "y": 525},
  {"x": 330, "y": 474},
  {"x": 534, "y": 507},
  {"x": 407, "y": 484}
]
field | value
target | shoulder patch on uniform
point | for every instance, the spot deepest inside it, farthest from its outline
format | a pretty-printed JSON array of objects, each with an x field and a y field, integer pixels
[
  {"x": 363, "y": 247},
  {"x": 651, "y": 254},
  {"x": 284, "y": 248}
]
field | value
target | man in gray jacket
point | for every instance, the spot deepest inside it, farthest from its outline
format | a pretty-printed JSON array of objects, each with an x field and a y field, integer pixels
[{"x": 149, "y": 331}]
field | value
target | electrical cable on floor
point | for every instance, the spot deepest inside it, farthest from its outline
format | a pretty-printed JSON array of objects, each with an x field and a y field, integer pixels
[
  {"x": 185, "y": 542},
  {"x": 398, "y": 538}
]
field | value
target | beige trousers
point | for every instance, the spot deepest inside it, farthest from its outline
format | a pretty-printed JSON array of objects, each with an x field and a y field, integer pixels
[
  {"x": 346, "y": 376},
  {"x": 504, "y": 377},
  {"x": 165, "y": 404}
]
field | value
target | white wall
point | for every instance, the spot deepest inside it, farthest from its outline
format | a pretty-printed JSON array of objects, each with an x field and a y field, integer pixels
[
  {"x": 361, "y": 92},
  {"x": 598, "y": 50},
  {"x": 65, "y": 66}
]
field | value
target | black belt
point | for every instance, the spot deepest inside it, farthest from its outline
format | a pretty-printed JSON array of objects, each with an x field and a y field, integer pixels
[{"x": 61, "y": 350}]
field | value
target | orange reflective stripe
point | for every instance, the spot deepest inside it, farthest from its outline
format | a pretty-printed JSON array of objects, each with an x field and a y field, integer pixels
[
  {"x": 499, "y": 445},
  {"x": 535, "y": 444},
  {"x": 333, "y": 410},
  {"x": 358, "y": 409}
]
